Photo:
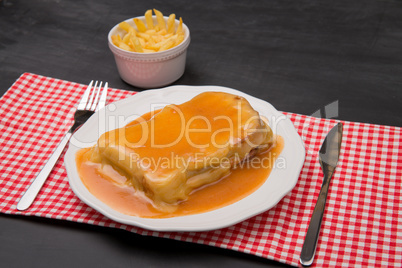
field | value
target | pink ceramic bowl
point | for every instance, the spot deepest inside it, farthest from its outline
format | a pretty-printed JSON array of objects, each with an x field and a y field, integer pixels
[{"x": 150, "y": 70}]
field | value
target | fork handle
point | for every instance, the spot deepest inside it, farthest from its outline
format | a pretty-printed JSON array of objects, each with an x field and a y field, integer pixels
[{"x": 33, "y": 190}]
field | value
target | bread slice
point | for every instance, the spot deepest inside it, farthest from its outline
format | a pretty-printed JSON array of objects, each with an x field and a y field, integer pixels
[{"x": 184, "y": 147}]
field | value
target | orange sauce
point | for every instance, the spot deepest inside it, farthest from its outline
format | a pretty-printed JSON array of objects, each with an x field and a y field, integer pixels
[
  {"x": 241, "y": 182},
  {"x": 192, "y": 130}
]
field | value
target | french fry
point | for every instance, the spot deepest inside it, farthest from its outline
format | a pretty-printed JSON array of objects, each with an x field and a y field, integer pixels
[
  {"x": 167, "y": 36},
  {"x": 132, "y": 31},
  {"x": 142, "y": 42},
  {"x": 162, "y": 32},
  {"x": 180, "y": 27},
  {"x": 149, "y": 50},
  {"x": 168, "y": 44},
  {"x": 148, "y": 19},
  {"x": 126, "y": 27},
  {"x": 160, "y": 19},
  {"x": 140, "y": 25},
  {"x": 136, "y": 44},
  {"x": 150, "y": 32},
  {"x": 126, "y": 38},
  {"x": 115, "y": 39},
  {"x": 150, "y": 44},
  {"x": 124, "y": 46},
  {"x": 157, "y": 38},
  {"x": 179, "y": 39},
  {"x": 170, "y": 23},
  {"x": 144, "y": 36},
  {"x": 147, "y": 37},
  {"x": 154, "y": 46}
]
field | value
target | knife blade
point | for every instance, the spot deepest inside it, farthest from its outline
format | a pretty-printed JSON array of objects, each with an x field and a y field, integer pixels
[{"x": 328, "y": 157}]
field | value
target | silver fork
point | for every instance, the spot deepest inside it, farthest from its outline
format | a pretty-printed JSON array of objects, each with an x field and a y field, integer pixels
[{"x": 89, "y": 104}]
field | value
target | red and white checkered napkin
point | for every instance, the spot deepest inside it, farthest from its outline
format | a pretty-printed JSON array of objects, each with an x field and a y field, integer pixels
[{"x": 362, "y": 225}]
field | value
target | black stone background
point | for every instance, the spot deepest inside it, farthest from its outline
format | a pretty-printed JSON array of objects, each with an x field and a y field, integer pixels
[{"x": 298, "y": 55}]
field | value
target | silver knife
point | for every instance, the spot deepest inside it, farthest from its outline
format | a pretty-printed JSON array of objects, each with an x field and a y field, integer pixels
[{"x": 328, "y": 156}]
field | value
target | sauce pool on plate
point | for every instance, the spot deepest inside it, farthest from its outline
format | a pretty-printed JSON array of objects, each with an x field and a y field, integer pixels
[{"x": 113, "y": 189}]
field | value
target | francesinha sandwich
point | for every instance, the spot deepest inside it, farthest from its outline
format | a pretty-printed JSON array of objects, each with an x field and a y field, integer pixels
[{"x": 170, "y": 153}]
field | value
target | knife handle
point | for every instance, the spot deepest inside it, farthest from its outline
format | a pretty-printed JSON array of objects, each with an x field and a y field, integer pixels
[
  {"x": 313, "y": 231},
  {"x": 33, "y": 190}
]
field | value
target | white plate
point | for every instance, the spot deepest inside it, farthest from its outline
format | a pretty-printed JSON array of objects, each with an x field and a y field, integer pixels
[{"x": 281, "y": 180}]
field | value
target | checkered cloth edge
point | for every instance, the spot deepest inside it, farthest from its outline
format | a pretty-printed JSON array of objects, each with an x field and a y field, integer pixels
[{"x": 362, "y": 225}]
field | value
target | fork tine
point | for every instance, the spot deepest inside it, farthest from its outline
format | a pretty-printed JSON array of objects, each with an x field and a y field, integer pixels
[
  {"x": 96, "y": 99},
  {"x": 84, "y": 99},
  {"x": 91, "y": 99},
  {"x": 102, "y": 100}
]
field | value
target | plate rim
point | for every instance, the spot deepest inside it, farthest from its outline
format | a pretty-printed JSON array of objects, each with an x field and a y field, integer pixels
[{"x": 195, "y": 222}]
